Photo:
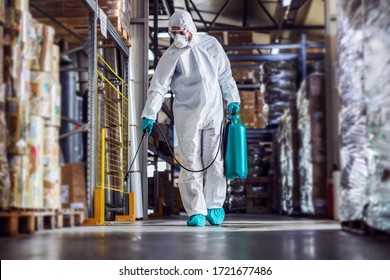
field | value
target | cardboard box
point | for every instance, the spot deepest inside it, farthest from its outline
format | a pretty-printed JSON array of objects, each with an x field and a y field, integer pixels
[
  {"x": 73, "y": 184},
  {"x": 240, "y": 37}
]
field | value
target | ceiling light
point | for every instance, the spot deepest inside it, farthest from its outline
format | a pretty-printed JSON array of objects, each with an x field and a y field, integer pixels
[{"x": 286, "y": 3}]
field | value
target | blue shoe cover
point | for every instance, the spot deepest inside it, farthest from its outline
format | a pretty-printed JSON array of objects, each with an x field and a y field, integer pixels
[
  {"x": 197, "y": 220},
  {"x": 215, "y": 216}
]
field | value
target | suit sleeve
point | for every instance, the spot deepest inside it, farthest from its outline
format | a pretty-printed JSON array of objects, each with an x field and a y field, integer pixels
[
  {"x": 159, "y": 85},
  {"x": 226, "y": 82}
]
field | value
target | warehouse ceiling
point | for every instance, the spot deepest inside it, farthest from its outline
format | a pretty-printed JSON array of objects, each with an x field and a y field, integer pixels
[{"x": 270, "y": 19}]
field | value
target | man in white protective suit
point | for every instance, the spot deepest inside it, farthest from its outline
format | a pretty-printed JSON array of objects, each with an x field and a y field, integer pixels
[{"x": 198, "y": 72}]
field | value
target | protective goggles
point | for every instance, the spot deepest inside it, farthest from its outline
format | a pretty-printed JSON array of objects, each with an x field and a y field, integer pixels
[{"x": 173, "y": 33}]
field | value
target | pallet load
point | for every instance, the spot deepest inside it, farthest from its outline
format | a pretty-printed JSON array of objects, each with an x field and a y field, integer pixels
[
  {"x": 119, "y": 14},
  {"x": 278, "y": 87},
  {"x": 312, "y": 153},
  {"x": 29, "y": 97},
  {"x": 365, "y": 184}
]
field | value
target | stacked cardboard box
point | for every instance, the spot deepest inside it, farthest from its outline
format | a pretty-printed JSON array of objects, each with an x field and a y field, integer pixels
[
  {"x": 237, "y": 39},
  {"x": 73, "y": 193},
  {"x": 119, "y": 13},
  {"x": 31, "y": 70},
  {"x": 251, "y": 111}
]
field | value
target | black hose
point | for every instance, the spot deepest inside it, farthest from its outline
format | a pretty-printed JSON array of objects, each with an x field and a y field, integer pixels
[
  {"x": 173, "y": 155},
  {"x": 135, "y": 156}
]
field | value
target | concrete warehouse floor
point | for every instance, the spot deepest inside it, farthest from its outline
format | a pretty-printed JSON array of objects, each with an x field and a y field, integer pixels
[{"x": 242, "y": 236}]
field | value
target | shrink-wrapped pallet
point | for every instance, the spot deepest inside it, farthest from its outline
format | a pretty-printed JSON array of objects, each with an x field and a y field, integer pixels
[
  {"x": 5, "y": 184},
  {"x": 353, "y": 119},
  {"x": 41, "y": 86},
  {"x": 17, "y": 125},
  {"x": 377, "y": 92},
  {"x": 1, "y": 53},
  {"x": 51, "y": 146},
  {"x": 19, "y": 175},
  {"x": 284, "y": 141},
  {"x": 52, "y": 187},
  {"x": 2, "y": 17},
  {"x": 20, "y": 4},
  {"x": 54, "y": 106},
  {"x": 56, "y": 63},
  {"x": 46, "y": 55},
  {"x": 36, "y": 151}
]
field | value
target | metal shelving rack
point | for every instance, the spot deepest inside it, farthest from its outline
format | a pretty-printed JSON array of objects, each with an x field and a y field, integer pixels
[
  {"x": 95, "y": 18},
  {"x": 76, "y": 26}
]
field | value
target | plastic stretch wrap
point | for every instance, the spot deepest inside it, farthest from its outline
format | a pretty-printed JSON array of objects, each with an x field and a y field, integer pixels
[
  {"x": 52, "y": 187},
  {"x": 5, "y": 183},
  {"x": 377, "y": 90},
  {"x": 284, "y": 139},
  {"x": 278, "y": 86},
  {"x": 36, "y": 151},
  {"x": 352, "y": 116},
  {"x": 41, "y": 86},
  {"x": 19, "y": 168},
  {"x": 312, "y": 152},
  {"x": 305, "y": 155}
]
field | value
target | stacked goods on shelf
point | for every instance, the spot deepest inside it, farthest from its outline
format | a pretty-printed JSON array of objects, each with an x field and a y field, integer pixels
[
  {"x": 365, "y": 184},
  {"x": 119, "y": 13},
  {"x": 31, "y": 70},
  {"x": 284, "y": 141},
  {"x": 312, "y": 153},
  {"x": 5, "y": 184},
  {"x": 278, "y": 87},
  {"x": 251, "y": 100},
  {"x": 377, "y": 90},
  {"x": 235, "y": 199},
  {"x": 251, "y": 109},
  {"x": 258, "y": 185},
  {"x": 247, "y": 76},
  {"x": 353, "y": 118}
]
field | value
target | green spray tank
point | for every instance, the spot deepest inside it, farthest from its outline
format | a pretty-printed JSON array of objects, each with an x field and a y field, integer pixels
[{"x": 235, "y": 149}]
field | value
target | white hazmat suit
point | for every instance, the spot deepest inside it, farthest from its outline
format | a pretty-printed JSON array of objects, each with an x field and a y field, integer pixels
[{"x": 200, "y": 77}]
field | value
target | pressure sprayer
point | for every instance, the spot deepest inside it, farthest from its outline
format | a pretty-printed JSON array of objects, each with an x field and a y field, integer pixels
[{"x": 235, "y": 149}]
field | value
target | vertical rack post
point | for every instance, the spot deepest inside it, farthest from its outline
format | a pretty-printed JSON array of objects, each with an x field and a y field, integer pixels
[{"x": 92, "y": 106}]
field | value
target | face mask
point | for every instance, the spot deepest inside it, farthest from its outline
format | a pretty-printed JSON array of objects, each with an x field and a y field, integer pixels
[{"x": 181, "y": 41}]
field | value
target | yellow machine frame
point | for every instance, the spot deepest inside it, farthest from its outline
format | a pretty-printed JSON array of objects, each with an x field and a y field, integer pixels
[{"x": 112, "y": 132}]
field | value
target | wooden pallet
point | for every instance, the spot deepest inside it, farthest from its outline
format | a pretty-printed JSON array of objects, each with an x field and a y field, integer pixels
[
  {"x": 15, "y": 221},
  {"x": 12, "y": 223},
  {"x": 70, "y": 217}
]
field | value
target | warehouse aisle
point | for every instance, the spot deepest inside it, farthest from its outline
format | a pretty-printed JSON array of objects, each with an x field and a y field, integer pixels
[{"x": 241, "y": 237}]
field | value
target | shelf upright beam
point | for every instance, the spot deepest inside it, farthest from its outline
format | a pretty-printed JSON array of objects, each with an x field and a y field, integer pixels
[{"x": 92, "y": 106}]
